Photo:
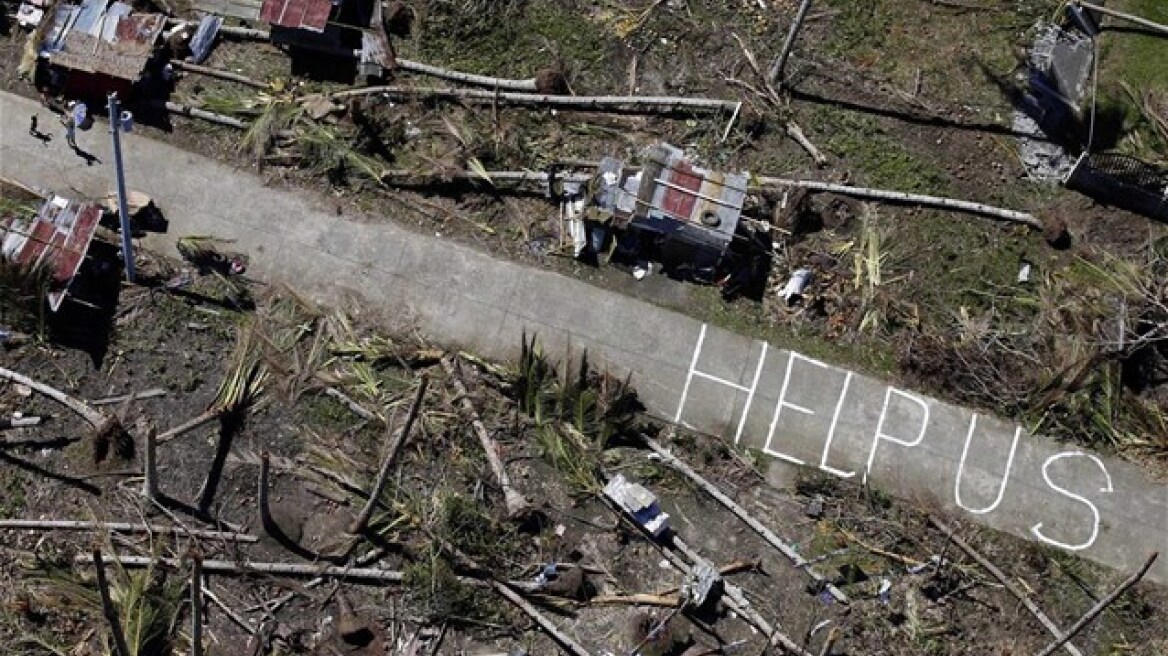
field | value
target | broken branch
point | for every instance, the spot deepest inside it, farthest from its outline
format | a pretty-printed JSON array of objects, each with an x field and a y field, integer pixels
[
  {"x": 219, "y": 73},
  {"x": 121, "y": 527},
  {"x": 1131, "y": 18},
  {"x": 740, "y": 512},
  {"x": 1100, "y": 606},
  {"x": 517, "y": 505},
  {"x": 275, "y": 569},
  {"x": 467, "y": 78},
  {"x": 397, "y": 439},
  {"x": 569, "y": 645},
  {"x": 195, "y": 112},
  {"x": 901, "y": 197},
  {"x": 668, "y": 601},
  {"x": 615, "y": 103},
  {"x": 1001, "y": 577},
  {"x": 136, "y": 396}
]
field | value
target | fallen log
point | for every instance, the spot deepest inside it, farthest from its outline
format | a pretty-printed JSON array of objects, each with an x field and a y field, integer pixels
[
  {"x": 219, "y": 73},
  {"x": 94, "y": 418},
  {"x": 654, "y": 104},
  {"x": 194, "y": 112},
  {"x": 1001, "y": 577},
  {"x": 121, "y": 527},
  {"x": 1100, "y": 606},
  {"x": 275, "y": 569},
  {"x": 565, "y": 641},
  {"x": 466, "y": 78},
  {"x": 760, "y": 184},
  {"x": 902, "y": 197},
  {"x": 1131, "y": 18},
  {"x": 740, "y": 512},
  {"x": 518, "y": 508}
]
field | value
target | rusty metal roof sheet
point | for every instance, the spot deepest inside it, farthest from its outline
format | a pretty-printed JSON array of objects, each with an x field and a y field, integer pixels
[
  {"x": 310, "y": 15},
  {"x": 115, "y": 43},
  {"x": 58, "y": 237}
]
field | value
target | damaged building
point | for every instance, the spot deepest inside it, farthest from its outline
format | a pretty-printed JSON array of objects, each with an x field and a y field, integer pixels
[
  {"x": 345, "y": 29},
  {"x": 57, "y": 238},
  {"x": 672, "y": 212},
  {"x": 96, "y": 47}
]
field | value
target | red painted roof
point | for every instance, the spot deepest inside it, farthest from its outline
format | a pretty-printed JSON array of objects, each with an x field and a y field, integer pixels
[
  {"x": 57, "y": 238},
  {"x": 297, "y": 14}
]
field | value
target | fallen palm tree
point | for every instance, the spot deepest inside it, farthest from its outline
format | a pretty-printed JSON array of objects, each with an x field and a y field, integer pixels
[{"x": 641, "y": 104}]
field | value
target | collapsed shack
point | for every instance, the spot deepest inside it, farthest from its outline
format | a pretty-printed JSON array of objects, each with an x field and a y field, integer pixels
[
  {"x": 55, "y": 240},
  {"x": 672, "y": 212},
  {"x": 345, "y": 29}
]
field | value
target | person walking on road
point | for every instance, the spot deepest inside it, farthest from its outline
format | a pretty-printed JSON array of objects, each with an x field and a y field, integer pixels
[{"x": 70, "y": 127}]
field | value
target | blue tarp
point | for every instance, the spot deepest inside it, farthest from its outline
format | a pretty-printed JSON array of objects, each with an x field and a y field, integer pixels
[
  {"x": 204, "y": 38},
  {"x": 89, "y": 19}
]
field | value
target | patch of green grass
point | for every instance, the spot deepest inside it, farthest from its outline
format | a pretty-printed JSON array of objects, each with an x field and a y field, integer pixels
[
  {"x": 879, "y": 158},
  {"x": 509, "y": 39},
  {"x": 12, "y": 495},
  {"x": 1133, "y": 64},
  {"x": 1140, "y": 58},
  {"x": 751, "y": 319}
]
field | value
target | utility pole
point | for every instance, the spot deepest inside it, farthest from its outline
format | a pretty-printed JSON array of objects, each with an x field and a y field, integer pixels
[
  {"x": 777, "y": 68},
  {"x": 115, "y": 118}
]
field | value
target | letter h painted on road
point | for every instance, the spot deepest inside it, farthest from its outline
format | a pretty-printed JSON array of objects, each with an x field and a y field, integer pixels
[{"x": 782, "y": 402}]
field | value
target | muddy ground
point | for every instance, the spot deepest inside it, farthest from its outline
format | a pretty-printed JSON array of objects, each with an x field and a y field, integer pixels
[{"x": 442, "y": 497}]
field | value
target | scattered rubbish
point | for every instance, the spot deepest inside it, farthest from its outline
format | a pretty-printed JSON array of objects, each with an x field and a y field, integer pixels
[
  {"x": 17, "y": 420},
  {"x": 204, "y": 38},
  {"x": 885, "y": 591},
  {"x": 30, "y": 13},
  {"x": 642, "y": 270},
  {"x": 814, "y": 508},
  {"x": 573, "y": 214},
  {"x": 1024, "y": 273},
  {"x": 545, "y": 575},
  {"x": 665, "y": 564},
  {"x": 638, "y": 502},
  {"x": 934, "y": 561},
  {"x": 561, "y": 530},
  {"x": 702, "y": 583},
  {"x": 820, "y": 626},
  {"x": 793, "y": 290},
  {"x": 22, "y": 390}
]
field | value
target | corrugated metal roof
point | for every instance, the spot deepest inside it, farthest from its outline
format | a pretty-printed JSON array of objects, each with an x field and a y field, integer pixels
[
  {"x": 58, "y": 237},
  {"x": 96, "y": 39},
  {"x": 297, "y": 14}
]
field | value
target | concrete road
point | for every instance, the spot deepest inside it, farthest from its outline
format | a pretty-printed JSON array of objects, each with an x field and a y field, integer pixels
[{"x": 791, "y": 407}]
